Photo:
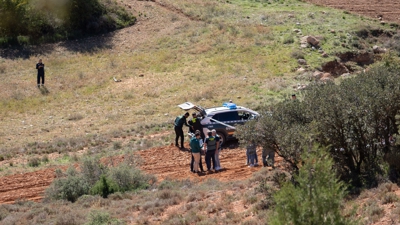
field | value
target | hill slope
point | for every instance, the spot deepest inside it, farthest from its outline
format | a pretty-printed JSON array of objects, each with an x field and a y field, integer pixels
[{"x": 178, "y": 51}]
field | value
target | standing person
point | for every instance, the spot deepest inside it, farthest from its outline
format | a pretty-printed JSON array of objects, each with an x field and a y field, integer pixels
[
  {"x": 40, "y": 72},
  {"x": 196, "y": 125},
  {"x": 211, "y": 144},
  {"x": 268, "y": 154},
  {"x": 255, "y": 157},
  {"x": 191, "y": 122},
  {"x": 217, "y": 151},
  {"x": 195, "y": 146},
  {"x": 251, "y": 152},
  {"x": 200, "y": 161},
  {"x": 179, "y": 122}
]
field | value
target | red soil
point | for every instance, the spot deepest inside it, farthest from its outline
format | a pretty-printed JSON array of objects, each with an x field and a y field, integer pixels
[
  {"x": 388, "y": 10},
  {"x": 164, "y": 162}
]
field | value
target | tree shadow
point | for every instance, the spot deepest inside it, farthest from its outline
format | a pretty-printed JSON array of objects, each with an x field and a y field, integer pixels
[
  {"x": 24, "y": 52},
  {"x": 90, "y": 44}
]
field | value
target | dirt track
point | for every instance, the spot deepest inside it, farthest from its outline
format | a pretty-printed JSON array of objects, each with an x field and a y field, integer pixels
[
  {"x": 170, "y": 162},
  {"x": 389, "y": 10},
  {"x": 163, "y": 162}
]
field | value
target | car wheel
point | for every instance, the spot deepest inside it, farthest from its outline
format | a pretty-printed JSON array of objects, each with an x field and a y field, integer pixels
[{"x": 222, "y": 136}]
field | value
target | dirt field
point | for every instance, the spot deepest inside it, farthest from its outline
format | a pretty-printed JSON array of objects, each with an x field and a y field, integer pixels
[
  {"x": 168, "y": 161},
  {"x": 163, "y": 162},
  {"x": 388, "y": 10}
]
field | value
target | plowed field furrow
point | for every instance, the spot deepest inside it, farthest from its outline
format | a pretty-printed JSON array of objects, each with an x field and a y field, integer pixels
[
  {"x": 29, "y": 186},
  {"x": 388, "y": 9}
]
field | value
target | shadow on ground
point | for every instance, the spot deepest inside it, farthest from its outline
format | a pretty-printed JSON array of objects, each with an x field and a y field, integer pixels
[{"x": 85, "y": 45}]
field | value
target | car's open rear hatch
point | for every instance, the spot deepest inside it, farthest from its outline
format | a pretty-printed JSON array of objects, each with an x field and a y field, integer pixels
[{"x": 188, "y": 105}]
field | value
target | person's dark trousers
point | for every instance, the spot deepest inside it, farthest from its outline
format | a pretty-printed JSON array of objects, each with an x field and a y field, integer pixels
[
  {"x": 179, "y": 133},
  {"x": 40, "y": 77},
  {"x": 264, "y": 160},
  {"x": 210, "y": 155},
  {"x": 200, "y": 164}
]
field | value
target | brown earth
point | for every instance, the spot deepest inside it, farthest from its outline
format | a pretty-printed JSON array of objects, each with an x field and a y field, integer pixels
[
  {"x": 164, "y": 162},
  {"x": 388, "y": 10},
  {"x": 168, "y": 161}
]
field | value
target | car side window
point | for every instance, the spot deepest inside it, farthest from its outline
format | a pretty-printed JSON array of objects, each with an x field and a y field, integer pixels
[
  {"x": 226, "y": 116},
  {"x": 244, "y": 115}
]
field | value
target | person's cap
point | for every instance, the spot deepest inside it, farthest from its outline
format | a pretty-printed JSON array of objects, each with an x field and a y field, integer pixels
[
  {"x": 194, "y": 114},
  {"x": 197, "y": 132}
]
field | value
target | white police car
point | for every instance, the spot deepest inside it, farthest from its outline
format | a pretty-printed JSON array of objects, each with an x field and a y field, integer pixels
[{"x": 223, "y": 119}]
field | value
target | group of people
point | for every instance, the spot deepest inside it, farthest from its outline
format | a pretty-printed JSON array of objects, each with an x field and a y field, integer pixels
[
  {"x": 268, "y": 155},
  {"x": 210, "y": 147}
]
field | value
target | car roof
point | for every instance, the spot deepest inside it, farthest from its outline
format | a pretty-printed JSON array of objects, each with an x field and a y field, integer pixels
[{"x": 215, "y": 110}]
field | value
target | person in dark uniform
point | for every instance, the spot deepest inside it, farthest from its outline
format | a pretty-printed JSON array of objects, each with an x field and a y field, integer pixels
[
  {"x": 40, "y": 73},
  {"x": 196, "y": 125},
  {"x": 268, "y": 154},
  {"x": 179, "y": 122},
  {"x": 211, "y": 144}
]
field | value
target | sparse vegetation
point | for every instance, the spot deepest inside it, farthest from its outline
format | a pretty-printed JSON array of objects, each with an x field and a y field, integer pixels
[
  {"x": 96, "y": 179},
  {"x": 34, "y": 162},
  {"x": 241, "y": 50}
]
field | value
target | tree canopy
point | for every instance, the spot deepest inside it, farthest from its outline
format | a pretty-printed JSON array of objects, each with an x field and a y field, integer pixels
[
  {"x": 37, "y": 21},
  {"x": 355, "y": 119}
]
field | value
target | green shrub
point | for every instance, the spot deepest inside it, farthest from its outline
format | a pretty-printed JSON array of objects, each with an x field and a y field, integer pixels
[
  {"x": 314, "y": 197},
  {"x": 288, "y": 40},
  {"x": 390, "y": 198},
  {"x": 34, "y": 162},
  {"x": 70, "y": 187},
  {"x": 168, "y": 184},
  {"x": 45, "y": 159},
  {"x": 117, "y": 145},
  {"x": 129, "y": 178},
  {"x": 102, "y": 218},
  {"x": 92, "y": 170},
  {"x": 104, "y": 187},
  {"x": 297, "y": 54},
  {"x": 374, "y": 210}
]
